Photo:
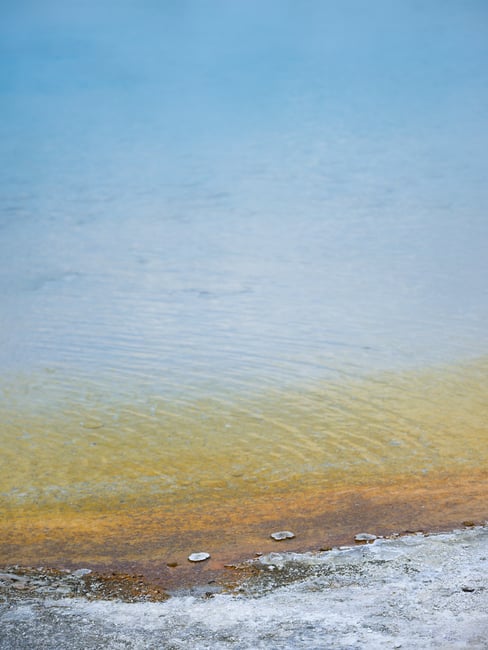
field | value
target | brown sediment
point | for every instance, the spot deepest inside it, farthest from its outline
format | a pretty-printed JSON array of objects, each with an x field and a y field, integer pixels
[{"x": 152, "y": 544}]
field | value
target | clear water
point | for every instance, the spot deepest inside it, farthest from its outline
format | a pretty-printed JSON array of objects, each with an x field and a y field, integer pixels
[{"x": 242, "y": 244}]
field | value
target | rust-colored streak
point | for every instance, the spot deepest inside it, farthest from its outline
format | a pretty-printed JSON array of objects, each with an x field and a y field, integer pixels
[{"x": 156, "y": 541}]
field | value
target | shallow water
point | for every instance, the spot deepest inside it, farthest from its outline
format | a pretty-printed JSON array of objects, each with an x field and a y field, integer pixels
[
  {"x": 242, "y": 249},
  {"x": 165, "y": 450}
]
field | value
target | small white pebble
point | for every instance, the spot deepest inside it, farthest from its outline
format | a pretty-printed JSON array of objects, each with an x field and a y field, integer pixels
[
  {"x": 282, "y": 534},
  {"x": 198, "y": 557}
]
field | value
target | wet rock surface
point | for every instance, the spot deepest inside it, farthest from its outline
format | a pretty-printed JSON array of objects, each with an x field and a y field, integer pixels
[{"x": 22, "y": 582}]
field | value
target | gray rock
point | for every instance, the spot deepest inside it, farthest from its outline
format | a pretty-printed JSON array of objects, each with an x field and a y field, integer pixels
[
  {"x": 198, "y": 557},
  {"x": 282, "y": 534},
  {"x": 79, "y": 573},
  {"x": 365, "y": 537}
]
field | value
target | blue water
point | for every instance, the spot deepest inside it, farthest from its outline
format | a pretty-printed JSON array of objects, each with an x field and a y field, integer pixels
[{"x": 251, "y": 192}]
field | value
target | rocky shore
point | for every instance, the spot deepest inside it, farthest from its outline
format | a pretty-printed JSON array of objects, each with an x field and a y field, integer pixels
[{"x": 411, "y": 592}]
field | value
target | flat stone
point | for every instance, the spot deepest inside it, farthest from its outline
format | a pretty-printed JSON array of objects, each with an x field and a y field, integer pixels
[
  {"x": 364, "y": 537},
  {"x": 282, "y": 534},
  {"x": 79, "y": 573},
  {"x": 198, "y": 557}
]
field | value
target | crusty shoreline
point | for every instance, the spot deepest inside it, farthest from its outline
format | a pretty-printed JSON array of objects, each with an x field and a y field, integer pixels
[{"x": 410, "y": 592}]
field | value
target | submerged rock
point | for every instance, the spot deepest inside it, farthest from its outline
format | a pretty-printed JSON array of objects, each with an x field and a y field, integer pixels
[
  {"x": 198, "y": 557},
  {"x": 282, "y": 534}
]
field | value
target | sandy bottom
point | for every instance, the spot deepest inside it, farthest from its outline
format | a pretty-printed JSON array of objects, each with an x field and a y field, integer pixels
[{"x": 414, "y": 591}]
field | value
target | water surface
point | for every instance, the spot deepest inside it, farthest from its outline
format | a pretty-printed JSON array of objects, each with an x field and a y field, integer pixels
[{"x": 242, "y": 251}]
